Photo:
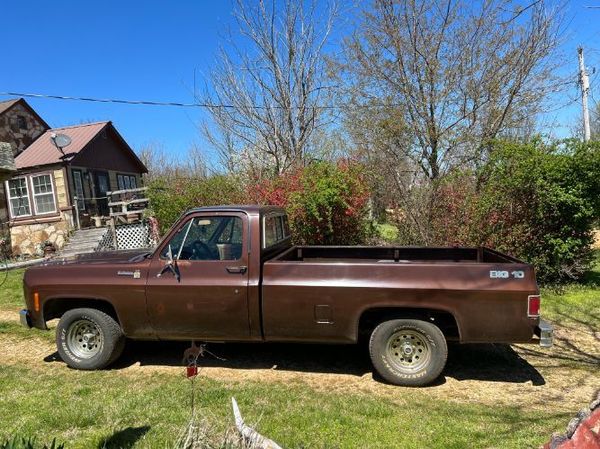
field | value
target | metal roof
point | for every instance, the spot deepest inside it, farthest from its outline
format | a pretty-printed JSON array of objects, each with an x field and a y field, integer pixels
[{"x": 43, "y": 152}]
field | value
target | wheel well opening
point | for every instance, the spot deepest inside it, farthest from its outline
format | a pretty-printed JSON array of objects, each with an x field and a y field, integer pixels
[
  {"x": 55, "y": 308},
  {"x": 442, "y": 319}
]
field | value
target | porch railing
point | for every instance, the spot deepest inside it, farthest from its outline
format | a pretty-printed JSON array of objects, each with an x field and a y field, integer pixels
[
  {"x": 117, "y": 207},
  {"x": 127, "y": 206}
]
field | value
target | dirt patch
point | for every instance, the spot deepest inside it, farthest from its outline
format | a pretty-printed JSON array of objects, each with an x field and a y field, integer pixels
[
  {"x": 9, "y": 316},
  {"x": 523, "y": 376}
]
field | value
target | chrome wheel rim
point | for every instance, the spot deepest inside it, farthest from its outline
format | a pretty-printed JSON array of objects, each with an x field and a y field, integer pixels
[
  {"x": 85, "y": 339},
  {"x": 408, "y": 351}
]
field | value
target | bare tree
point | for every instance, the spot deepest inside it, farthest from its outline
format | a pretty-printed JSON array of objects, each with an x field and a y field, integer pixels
[
  {"x": 264, "y": 92},
  {"x": 429, "y": 83},
  {"x": 162, "y": 164},
  {"x": 457, "y": 74}
]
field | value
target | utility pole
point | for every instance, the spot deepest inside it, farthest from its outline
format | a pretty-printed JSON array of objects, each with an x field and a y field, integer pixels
[{"x": 585, "y": 88}]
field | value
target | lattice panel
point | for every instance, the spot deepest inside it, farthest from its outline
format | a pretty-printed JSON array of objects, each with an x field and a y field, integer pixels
[
  {"x": 106, "y": 242},
  {"x": 132, "y": 236},
  {"x": 128, "y": 236}
]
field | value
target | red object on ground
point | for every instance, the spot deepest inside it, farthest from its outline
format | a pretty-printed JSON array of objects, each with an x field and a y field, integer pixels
[
  {"x": 586, "y": 436},
  {"x": 192, "y": 371}
]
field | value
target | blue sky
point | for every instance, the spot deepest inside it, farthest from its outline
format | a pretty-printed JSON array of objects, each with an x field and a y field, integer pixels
[{"x": 149, "y": 51}]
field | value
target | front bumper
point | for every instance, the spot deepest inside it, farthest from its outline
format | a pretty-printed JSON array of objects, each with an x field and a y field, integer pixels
[
  {"x": 545, "y": 331},
  {"x": 25, "y": 318}
]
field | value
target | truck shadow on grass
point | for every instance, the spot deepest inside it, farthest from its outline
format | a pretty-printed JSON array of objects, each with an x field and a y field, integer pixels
[
  {"x": 487, "y": 362},
  {"x": 490, "y": 362}
]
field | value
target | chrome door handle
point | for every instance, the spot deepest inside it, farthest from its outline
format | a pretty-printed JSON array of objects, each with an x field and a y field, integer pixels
[{"x": 238, "y": 270}]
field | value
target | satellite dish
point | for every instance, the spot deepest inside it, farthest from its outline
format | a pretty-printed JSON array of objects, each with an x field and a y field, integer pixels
[{"x": 60, "y": 141}]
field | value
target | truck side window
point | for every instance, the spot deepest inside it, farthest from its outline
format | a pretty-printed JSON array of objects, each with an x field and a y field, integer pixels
[
  {"x": 208, "y": 238},
  {"x": 276, "y": 228}
]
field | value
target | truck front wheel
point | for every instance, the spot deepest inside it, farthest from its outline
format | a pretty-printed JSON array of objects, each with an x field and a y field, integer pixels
[
  {"x": 88, "y": 339},
  {"x": 411, "y": 353}
]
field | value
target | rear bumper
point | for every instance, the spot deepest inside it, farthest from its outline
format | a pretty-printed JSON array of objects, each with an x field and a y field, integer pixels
[
  {"x": 25, "y": 318},
  {"x": 545, "y": 332}
]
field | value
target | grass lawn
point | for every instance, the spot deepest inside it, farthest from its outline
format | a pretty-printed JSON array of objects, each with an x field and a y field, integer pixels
[{"x": 491, "y": 396}]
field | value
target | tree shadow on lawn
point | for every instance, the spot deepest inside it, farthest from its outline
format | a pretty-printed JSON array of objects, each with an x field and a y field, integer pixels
[
  {"x": 489, "y": 362},
  {"x": 123, "y": 439}
]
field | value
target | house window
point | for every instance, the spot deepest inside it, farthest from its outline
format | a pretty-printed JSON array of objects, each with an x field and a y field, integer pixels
[
  {"x": 126, "y": 182},
  {"x": 41, "y": 189},
  {"x": 43, "y": 194},
  {"x": 21, "y": 122},
  {"x": 18, "y": 196}
]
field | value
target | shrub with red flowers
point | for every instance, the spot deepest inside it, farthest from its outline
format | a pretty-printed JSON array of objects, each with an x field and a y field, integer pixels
[{"x": 327, "y": 203}]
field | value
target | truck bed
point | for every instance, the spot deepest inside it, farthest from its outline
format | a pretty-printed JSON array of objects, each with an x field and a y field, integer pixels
[
  {"x": 319, "y": 293},
  {"x": 390, "y": 254}
]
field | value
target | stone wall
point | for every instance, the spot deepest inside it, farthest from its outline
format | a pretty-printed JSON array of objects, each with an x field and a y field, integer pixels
[
  {"x": 11, "y": 132},
  {"x": 26, "y": 239}
]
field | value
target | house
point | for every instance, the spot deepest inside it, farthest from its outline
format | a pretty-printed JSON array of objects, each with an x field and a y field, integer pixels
[
  {"x": 20, "y": 125},
  {"x": 55, "y": 189}
]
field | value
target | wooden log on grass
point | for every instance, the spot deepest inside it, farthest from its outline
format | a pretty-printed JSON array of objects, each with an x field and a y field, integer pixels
[{"x": 252, "y": 437}]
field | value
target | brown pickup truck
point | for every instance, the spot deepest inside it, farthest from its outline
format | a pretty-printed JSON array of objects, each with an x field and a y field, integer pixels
[{"x": 230, "y": 273}]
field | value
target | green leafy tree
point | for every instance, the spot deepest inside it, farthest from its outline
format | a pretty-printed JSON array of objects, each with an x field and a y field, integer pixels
[{"x": 535, "y": 201}]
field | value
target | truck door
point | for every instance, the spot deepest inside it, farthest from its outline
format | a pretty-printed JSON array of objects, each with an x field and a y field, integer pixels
[{"x": 203, "y": 294}]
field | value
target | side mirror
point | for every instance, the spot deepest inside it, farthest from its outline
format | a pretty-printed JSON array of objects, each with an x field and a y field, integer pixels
[
  {"x": 170, "y": 255},
  {"x": 171, "y": 265}
]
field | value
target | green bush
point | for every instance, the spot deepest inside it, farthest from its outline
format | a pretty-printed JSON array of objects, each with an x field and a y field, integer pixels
[
  {"x": 387, "y": 232},
  {"x": 170, "y": 198},
  {"x": 537, "y": 202}
]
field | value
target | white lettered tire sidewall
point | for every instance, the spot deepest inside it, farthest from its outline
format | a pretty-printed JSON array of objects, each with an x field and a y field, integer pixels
[
  {"x": 390, "y": 371},
  {"x": 112, "y": 339}
]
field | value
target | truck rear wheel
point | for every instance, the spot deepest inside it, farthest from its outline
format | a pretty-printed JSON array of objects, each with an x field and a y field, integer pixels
[
  {"x": 411, "y": 353},
  {"x": 88, "y": 339}
]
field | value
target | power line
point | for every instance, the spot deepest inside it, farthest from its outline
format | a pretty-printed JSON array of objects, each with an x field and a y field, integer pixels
[
  {"x": 114, "y": 100},
  {"x": 186, "y": 105},
  {"x": 169, "y": 103},
  {"x": 214, "y": 105}
]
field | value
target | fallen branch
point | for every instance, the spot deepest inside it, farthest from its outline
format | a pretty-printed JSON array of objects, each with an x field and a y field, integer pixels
[{"x": 251, "y": 436}]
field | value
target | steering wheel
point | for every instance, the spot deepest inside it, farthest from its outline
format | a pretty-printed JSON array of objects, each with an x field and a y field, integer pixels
[{"x": 201, "y": 251}]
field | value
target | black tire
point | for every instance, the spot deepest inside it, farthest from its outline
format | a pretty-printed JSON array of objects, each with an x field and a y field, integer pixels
[
  {"x": 410, "y": 353},
  {"x": 118, "y": 352},
  {"x": 89, "y": 339}
]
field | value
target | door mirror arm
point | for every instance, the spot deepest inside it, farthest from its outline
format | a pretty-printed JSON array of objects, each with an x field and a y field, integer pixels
[{"x": 171, "y": 266}]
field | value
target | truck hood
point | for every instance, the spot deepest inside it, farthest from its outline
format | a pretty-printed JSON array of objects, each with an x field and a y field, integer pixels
[{"x": 120, "y": 256}]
